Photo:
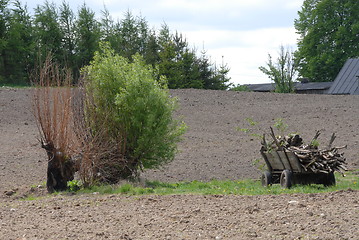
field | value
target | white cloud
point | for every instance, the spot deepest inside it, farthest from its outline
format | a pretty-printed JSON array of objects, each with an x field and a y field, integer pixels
[
  {"x": 244, "y": 51},
  {"x": 258, "y": 37}
]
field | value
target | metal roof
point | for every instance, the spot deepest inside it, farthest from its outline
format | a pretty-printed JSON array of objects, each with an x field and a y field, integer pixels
[
  {"x": 312, "y": 86},
  {"x": 347, "y": 81},
  {"x": 262, "y": 87},
  {"x": 268, "y": 87}
]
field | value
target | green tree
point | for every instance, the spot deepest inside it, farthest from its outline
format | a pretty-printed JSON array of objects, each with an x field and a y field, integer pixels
[
  {"x": 221, "y": 80},
  {"x": 151, "y": 54},
  {"x": 282, "y": 72},
  {"x": 168, "y": 65},
  {"x": 18, "y": 53},
  {"x": 67, "y": 24},
  {"x": 87, "y": 35},
  {"x": 107, "y": 27},
  {"x": 133, "y": 34},
  {"x": 190, "y": 70},
  {"x": 178, "y": 62},
  {"x": 329, "y": 32},
  {"x": 48, "y": 33},
  {"x": 4, "y": 21},
  {"x": 206, "y": 71},
  {"x": 211, "y": 76},
  {"x": 183, "y": 68},
  {"x": 134, "y": 110}
]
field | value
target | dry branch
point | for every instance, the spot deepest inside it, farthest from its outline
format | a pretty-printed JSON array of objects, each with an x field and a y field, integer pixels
[
  {"x": 102, "y": 157},
  {"x": 52, "y": 110},
  {"x": 310, "y": 157}
]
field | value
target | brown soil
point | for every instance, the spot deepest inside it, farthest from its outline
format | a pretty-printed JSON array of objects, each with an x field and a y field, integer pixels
[{"x": 212, "y": 148}]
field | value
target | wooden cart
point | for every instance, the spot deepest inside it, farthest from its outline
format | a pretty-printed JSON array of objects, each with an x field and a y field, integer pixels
[{"x": 285, "y": 168}]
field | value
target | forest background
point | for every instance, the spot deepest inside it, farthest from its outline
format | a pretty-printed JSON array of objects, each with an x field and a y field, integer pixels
[{"x": 73, "y": 38}]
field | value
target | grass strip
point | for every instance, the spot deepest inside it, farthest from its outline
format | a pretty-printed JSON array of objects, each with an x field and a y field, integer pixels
[{"x": 220, "y": 187}]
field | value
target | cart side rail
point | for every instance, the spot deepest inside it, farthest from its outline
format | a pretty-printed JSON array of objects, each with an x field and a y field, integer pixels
[{"x": 280, "y": 160}]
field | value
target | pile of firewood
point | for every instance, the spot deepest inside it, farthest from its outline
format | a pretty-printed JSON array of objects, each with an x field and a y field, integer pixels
[{"x": 310, "y": 156}]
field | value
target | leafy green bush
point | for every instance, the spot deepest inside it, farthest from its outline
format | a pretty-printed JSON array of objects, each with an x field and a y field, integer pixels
[
  {"x": 74, "y": 185},
  {"x": 131, "y": 109}
]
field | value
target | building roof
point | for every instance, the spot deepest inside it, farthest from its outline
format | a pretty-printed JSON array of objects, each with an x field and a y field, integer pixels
[
  {"x": 308, "y": 86},
  {"x": 347, "y": 81},
  {"x": 312, "y": 86},
  {"x": 262, "y": 87}
]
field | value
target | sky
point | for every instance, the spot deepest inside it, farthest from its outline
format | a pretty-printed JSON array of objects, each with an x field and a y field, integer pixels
[{"x": 239, "y": 33}]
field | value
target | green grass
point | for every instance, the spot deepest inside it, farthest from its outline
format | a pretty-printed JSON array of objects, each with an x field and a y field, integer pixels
[
  {"x": 11, "y": 85},
  {"x": 31, "y": 198},
  {"x": 217, "y": 187}
]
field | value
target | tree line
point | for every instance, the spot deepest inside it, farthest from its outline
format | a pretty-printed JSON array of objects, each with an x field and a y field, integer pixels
[{"x": 73, "y": 38}]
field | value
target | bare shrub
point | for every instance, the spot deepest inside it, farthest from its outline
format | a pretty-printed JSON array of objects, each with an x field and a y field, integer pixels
[
  {"x": 52, "y": 110},
  {"x": 101, "y": 158}
]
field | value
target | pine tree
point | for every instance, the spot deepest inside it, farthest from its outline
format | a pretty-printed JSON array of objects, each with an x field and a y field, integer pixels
[
  {"x": 133, "y": 33},
  {"x": 107, "y": 27},
  {"x": 67, "y": 24},
  {"x": 151, "y": 53},
  {"x": 48, "y": 32},
  {"x": 4, "y": 21},
  {"x": 18, "y": 53},
  {"x": 87, "y": 36}
]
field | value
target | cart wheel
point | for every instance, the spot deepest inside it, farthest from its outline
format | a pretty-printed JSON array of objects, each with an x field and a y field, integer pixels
[
  {"x": 266, "y": 179},
  {"x": 329, "y": 180},
  {"x": 286, "y": 179}
]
